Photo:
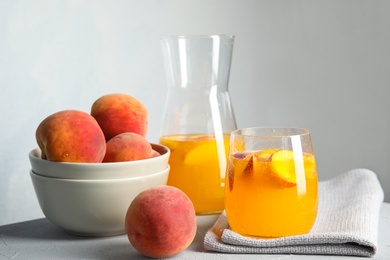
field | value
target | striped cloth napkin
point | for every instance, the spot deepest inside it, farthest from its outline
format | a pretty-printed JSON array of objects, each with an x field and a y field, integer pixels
[{"x": 346, "y": 224}]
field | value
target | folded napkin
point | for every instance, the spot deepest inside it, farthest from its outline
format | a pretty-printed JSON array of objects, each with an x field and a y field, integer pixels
[{"x": 346, "y": 224}]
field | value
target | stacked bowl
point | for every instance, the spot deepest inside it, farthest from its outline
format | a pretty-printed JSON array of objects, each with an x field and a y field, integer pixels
[{"x": 91, "y": 199}]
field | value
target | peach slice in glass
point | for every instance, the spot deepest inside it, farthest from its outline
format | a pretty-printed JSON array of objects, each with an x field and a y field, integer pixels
[
  {"x": 248, "y": 171},
  {"x": 243, "y": 163},
  {"x": 230, "y": 174},
  {"x": 235, "y": 164},
  {"x": 283, "y": 167},
  {"x": 265, "y": 155}
]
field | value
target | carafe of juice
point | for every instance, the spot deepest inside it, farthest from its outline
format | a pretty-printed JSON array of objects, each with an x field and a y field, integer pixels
[{"x": 198, "y": 116}]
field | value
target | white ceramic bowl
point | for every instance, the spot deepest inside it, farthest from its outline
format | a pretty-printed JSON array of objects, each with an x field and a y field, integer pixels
[
  {"x": 93, "y": 207},
  {"x": 96, "y": 171}
]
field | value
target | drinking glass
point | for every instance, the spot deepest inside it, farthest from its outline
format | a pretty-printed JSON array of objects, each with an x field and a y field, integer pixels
[{"x": 271, "y": 182}]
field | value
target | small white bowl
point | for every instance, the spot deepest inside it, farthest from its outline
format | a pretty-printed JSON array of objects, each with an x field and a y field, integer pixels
[
  {"x": 91, "y": 207},
  {"x": 90, "y": 171}
]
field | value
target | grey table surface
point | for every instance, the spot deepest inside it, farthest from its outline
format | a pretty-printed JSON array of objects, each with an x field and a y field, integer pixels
[{"x": 39, "y": 239}]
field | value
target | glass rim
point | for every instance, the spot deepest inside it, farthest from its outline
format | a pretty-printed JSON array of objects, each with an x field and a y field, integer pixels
[
  {"x": 294, "y": 131},
  {"x": 197, "y": 36}
]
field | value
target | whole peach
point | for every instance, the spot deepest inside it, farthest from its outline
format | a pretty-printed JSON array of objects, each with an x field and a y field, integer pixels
[
  {"x": 119, "y": 113},
  {"x": 127, "y": 147},
  {"x": 161, "y": 222},
  {"x": 154, "y": 154},
  {"x": 71, "y": 136}
]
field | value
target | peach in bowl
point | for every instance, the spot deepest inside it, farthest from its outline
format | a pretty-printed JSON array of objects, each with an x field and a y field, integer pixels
[
  {"x": 114, "y": 170},
  {"x": 91, "y": 207}
]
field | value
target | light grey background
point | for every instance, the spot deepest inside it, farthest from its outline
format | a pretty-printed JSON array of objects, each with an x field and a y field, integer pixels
[{"x": 322, "y": 65}]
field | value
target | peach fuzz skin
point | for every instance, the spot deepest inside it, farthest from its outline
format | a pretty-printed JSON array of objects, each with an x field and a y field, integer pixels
[
  {"x": 119, "y": 113},
  {"x": 127, "y": 147},
  {"x": 71, "y": 136},
  {"x": 161, "y": 222}
]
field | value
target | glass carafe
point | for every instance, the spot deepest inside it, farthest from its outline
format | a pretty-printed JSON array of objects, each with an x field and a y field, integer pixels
[{"x": 198, "y": 116}]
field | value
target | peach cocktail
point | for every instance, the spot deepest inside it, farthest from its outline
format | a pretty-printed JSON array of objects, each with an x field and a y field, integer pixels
[
  {"x": 198, "y": 164},
  {"x": 271, "y": 182}
]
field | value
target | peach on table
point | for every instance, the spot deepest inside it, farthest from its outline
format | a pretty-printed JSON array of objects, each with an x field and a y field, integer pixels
[{"x": 161, "y": 222}]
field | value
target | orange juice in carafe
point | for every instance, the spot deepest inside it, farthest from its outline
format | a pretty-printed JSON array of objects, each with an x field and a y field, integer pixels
[
  {"x": 198, "y": 164},
  {"x": 198, "y": 116}
]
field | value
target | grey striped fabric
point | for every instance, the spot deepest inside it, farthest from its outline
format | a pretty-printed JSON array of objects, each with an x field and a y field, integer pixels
[{"x": 346, "y": 224}]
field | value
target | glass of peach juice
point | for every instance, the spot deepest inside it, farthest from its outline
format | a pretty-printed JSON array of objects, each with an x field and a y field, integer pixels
[{"x": 271, "y": 182}]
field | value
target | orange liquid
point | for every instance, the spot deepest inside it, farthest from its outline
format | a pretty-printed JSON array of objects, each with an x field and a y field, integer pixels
[
  {"x": 198, "y": 164},
  {"x": 260, "y": 202}
]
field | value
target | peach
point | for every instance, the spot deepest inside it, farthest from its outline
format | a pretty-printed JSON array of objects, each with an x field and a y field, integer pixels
[
  {"x": 71, "y": 136},
  {"x": 154, "y": 154},
  {"x": 127, "y": 147},
  {"x": 119, "y": 113},
  {"x": 284, "y": 166},
  {"x": 161, "y": 222},
  {"x": 265, "y": 155}
]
